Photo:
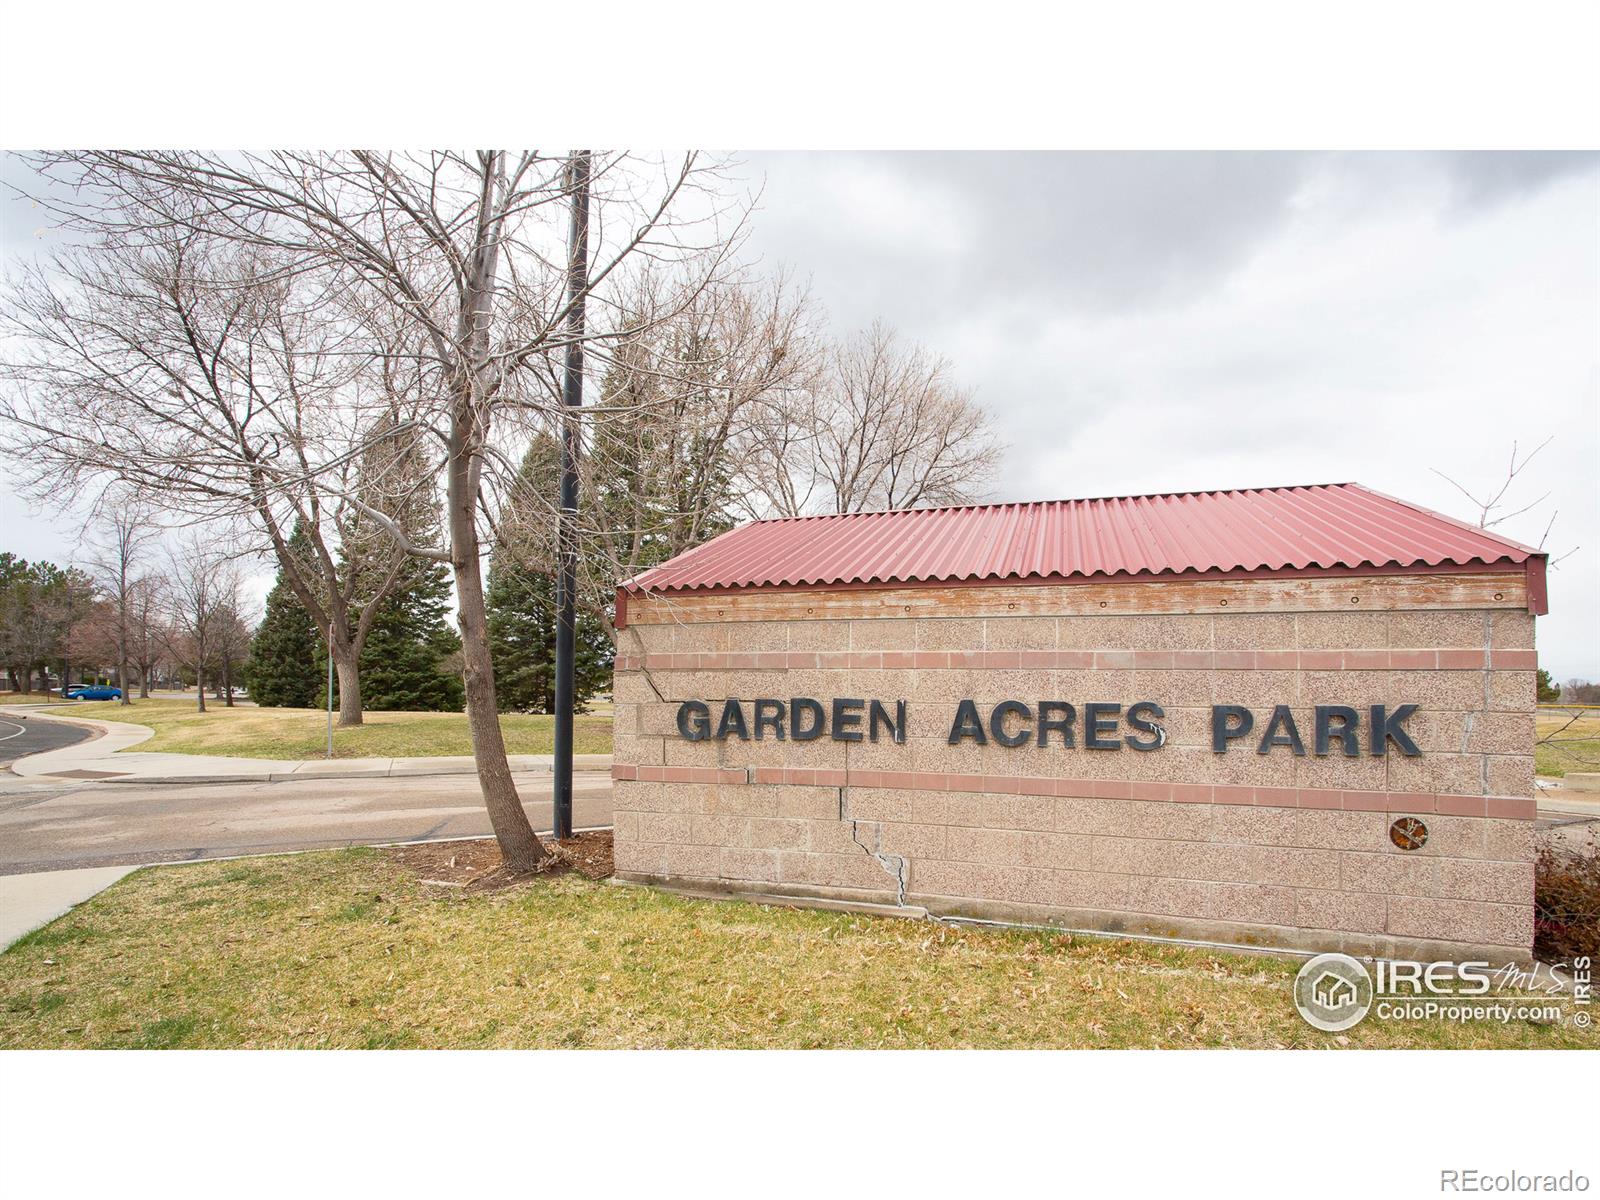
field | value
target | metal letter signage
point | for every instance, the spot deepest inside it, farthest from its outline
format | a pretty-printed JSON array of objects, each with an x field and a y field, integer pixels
[{"x": 1335, "y": 728}]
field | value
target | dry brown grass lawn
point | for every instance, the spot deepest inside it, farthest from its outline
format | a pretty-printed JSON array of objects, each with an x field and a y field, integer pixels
[
  {"x": 349, "y": 949},
  {"x": 1569, "y": 740},
  {"x": 294, "y": 733}
]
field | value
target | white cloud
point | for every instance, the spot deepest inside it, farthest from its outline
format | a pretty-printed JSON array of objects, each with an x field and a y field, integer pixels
[
  {"x": 1354, "y": 317},
  {"x": 1148, "y": 322}
]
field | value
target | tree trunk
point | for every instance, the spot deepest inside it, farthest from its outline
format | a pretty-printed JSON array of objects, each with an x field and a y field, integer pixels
[
  {"x": 347, "y": 666},
  {"x": 227, "y": 682},
  {"x": 122, "y": 668},
  {"x": 520, "y": 847},
  {"x": 200, "y": 689},
  {"x": 144, "y": 682}
]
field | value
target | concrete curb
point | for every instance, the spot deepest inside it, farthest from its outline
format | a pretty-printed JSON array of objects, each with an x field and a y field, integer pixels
[
  {"x": 102, "y": 760},
  {"x": 109, "y": 737},
  {"x": 32, "y": 901},
  {"x": 777, "y": 899}
]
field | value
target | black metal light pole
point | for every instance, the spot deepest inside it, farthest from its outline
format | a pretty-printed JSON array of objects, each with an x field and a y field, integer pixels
[{"x": 567, "y": 527}]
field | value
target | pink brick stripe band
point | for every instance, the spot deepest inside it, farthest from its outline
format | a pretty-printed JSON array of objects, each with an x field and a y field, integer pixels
[
  {"x": 1521, "y": 808},
  {"x": 1158, "y": 660}
]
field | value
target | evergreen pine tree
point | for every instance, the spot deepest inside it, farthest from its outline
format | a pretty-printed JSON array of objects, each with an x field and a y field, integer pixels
[
  {"x": 522, "y": 637},
  {"x": 521, "y": 599},
  {"x": 287, "y": 658},
  {"x": 405, "y": 663}
]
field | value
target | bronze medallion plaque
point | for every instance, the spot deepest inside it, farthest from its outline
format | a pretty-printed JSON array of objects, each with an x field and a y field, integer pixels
[{"x": 1408, "y": 833}]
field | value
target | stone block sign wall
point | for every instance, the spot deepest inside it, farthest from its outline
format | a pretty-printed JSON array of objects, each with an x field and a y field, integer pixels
[
  {"x": 1299, "y": 717},
  {"x": 1288, "y": 847}
]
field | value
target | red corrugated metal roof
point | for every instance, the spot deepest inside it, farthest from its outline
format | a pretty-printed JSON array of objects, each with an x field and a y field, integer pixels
[{"x": 1325, "y": 525}]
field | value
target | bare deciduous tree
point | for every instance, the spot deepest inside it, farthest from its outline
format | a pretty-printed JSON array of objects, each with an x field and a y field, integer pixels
[
  {"x": 735, "y": 406},
  {"x": 207, "y": 379},
  {"x": 203, "y": 587},
  {"x": 893, "y": 430},
  {"x": 684, "y": 409},
  {"x": 1492, "y": 506},
  {"x": 125, "y": 534},
  {"x": 93, "y": 637},
  {"x": 73, "y": 599},
  {"x": 872, "y": 422},
  {"x": 147, "y": 605},
  {"x": 453, "y": 263},
  {"x": 230, "y": 640}
]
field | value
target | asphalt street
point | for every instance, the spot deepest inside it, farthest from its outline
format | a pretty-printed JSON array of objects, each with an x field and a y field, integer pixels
[
  {"x": 20, "y": 736},
  {"x": 47, "y": 826}
]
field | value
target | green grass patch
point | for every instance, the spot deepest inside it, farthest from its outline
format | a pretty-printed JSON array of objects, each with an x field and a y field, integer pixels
[
  {"x": 348, "y": 950},
  {"x": 169, "y": 1033},
  {"x": 44, "y": 1002},
  {"x": 294, "y": 733},
  {"x": 57, "y": 934}
]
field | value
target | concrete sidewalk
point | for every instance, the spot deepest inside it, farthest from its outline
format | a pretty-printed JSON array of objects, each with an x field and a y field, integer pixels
[
  {"x": 107, "y": 759},
  {"x": 29, "y": 901},
  {"x": 1554, "y": 797}
]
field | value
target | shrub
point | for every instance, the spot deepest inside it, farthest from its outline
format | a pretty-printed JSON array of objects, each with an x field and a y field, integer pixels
[{"x": 1566, "y": 898}]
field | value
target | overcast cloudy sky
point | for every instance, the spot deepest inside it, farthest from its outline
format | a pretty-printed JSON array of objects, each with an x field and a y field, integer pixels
[
  {"x": 1165, "y": 322},
  {"x": 1161, "y": 322}
]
